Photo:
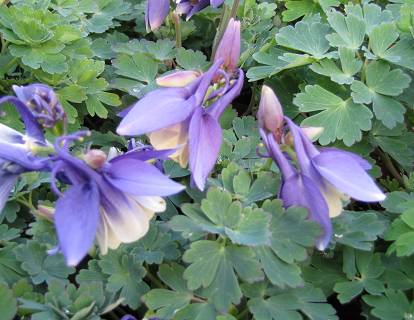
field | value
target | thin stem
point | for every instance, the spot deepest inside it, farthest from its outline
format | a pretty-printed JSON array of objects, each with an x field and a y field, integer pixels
[
  {"x": 234, "y": 8},
  {"x": 197, "y": 299},
  {"x": 252, "y": 100},
  {"x": 242, "y": 314},
  {"x": 177, "y": 25},
  {"x": 391, "y": 168},
  {"x": 154, "y": 279}
]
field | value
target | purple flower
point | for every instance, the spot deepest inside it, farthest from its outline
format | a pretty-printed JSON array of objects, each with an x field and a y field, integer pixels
[
  {"x": 128, "y": 317},
  {"x": 155, "y": 13},
  {"x": 175, "y": 118},
  {"x": 191, "y": 7},
  {"x": 19, "y": 152},
  {"x": 42, "y": 102},
  {"x": 110, "y": 199},
  {"x": 321, "y": 178},
  {"x": 229, "y": 46}
]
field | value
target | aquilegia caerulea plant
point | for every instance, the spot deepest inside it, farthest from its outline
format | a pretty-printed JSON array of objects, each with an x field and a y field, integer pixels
[
  {"x": 157, "y": 10},
  {"x": 146, "y": 177},
  {"x": 110, "y": 199},
  {"x": 319, "y": 180},
  {"x": 177, "y": 117}
]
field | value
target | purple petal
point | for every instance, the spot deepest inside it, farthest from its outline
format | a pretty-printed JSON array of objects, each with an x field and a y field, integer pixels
[
  {"x": 201, "y": 4},
  {"x": 277, "y": 155},
  {"x": 155, "y": 13},
  {"x": 140, "y": 178},
  {"x": 361, "y": 161},
  {"x": 204, "y": 144},
  {"x": 216, "y": 3},
  {"x": 301, "y": 191},
  {"x": 218, "y": 107},
  {"x": 76, "y": 220},
  {"x": 159, "y": 109},
  {"x": 347, "y": 175},
  {"x": 33, "y": 129},
  {"x": 18, "y": 154},
  {"x": 7, "y": 182},
  {"x": 144, "y": 155}
]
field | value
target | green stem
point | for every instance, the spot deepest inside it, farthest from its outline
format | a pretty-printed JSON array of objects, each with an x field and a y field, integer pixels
[
  {"x": 234, "y": 8},
  {"x": 26, "y": 203},
  {"x": 391, "y": 168},
  {"x": 252, "y": 100},
  {"x": 10, "y": 64},
  {"x": 242, "y": 314},
  {"x": 177, "y": 25},
  {"x": 154, "y": 279}
]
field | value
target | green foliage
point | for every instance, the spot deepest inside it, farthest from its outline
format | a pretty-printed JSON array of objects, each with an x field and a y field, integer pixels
[{"x": 232, "y": 251}]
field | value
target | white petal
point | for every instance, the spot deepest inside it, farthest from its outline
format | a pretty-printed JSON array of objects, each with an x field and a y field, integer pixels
[
  {"x": 175, "y": 136},
  {"x": 333, "y": 199},
  {"x": 130, "y": 222},
  {"x": 152, "y": 203}
]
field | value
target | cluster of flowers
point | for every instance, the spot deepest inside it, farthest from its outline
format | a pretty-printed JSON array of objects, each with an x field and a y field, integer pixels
[
  {"x": 112, "y": 197},
  {"x": 157, "y": 10}
]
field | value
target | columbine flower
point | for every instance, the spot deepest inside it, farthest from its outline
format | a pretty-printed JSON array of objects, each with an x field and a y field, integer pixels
[
  {"x": 111, "y": 200},
  {"x": 18, "y": 152},
  {"x": 175, "y": 118},
  {"x": 155, "y": 13},
  {"x": 191, "y": 7},
  {"x": 229, "y": 46},
  {"x": 42, "y": 102},
  {"x": 321, "y": 179}
]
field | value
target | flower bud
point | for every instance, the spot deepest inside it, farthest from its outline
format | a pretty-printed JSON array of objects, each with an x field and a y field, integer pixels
[
  {"x": 95, "y": 158},
  {"x": 42, "y": 102},
  {"x": 177, "y": 79},
  {"x": 311, "y": 132},
  {"x": 270, "y": 114},
  {"x": 229, "y": 46},
  {"x": 46, "y": 212},
  {"x": 155, "y": 13}
]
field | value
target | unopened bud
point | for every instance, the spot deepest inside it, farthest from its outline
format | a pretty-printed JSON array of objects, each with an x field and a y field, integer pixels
[
  {"x": 155, "y": 13},
  {"x": 177, "y": 79},
  {"x": 43, "y": 103},
  {"x": 95, "y": 158},
  {"x": 270, "y": 114},
  {"x": 229, "y": 46},
  {"x": 311, "y": 132},
  {"x": 46, "y": 212}
]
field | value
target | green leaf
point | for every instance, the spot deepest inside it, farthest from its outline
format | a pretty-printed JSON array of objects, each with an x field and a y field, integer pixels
[
  {"x": 8, "y": 303},
  {"x": 157, "y": 245},
  {"x": 191, "y": 60},
  {"x": 398, "y": 143},
  {"x": 218, "y": 214},
  {"x": 381, "y": 39},
  {"x": 386, "y": 82},
  {"x": 168, "y": 302},
  {"x": 307, "y": 36},
  {"x": 291, "y": 231},
  {"x": 367, "y": 268},
  {"x": 350, "y": 66},
  {"x": 138, "y": 67},
  {"x": 394, "y": 305},
  {"x": 358, "y": 230},
  {"x": 213, "y": 266},
  {"x": 341, "y": 119},
  {"x": 350, "y": 30},
  {"x": 290, "y": 305},
  {"x": 402, "y": 233},
  {"x": 40, "y": 265},
  {"x": 125, "y": 276}
]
